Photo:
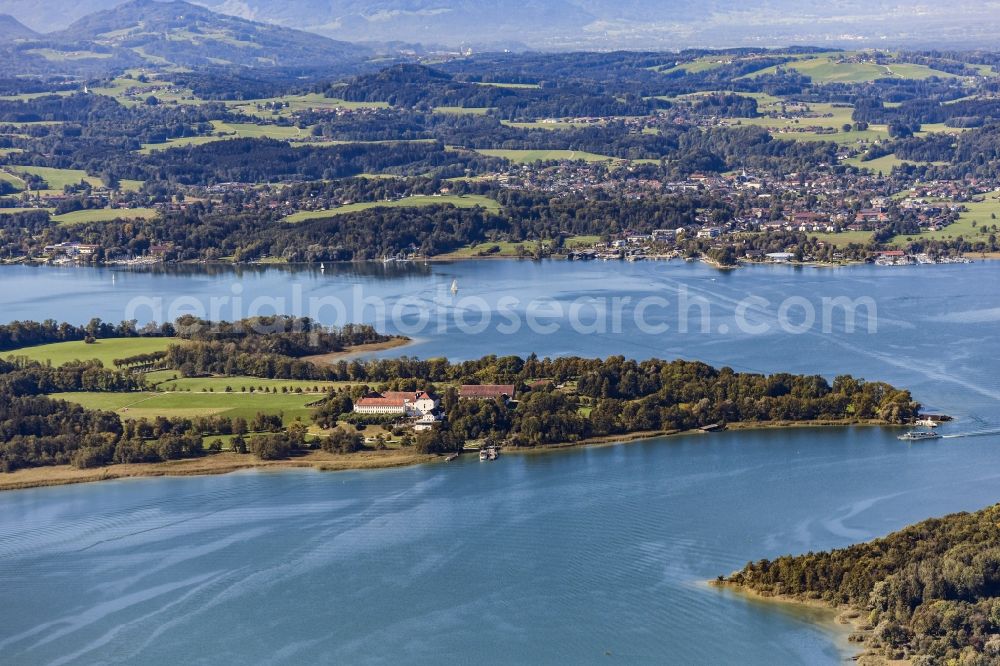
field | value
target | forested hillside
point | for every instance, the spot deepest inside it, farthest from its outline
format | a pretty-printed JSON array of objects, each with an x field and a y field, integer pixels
[{"x": 929, "y": 593}]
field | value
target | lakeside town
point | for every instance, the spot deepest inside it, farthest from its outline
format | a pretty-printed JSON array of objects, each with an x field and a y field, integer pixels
[{"x": 839, "y": 216}]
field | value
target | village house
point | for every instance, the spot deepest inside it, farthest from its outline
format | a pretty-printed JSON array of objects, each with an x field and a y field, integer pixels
[{"x": 403, "y": 403}]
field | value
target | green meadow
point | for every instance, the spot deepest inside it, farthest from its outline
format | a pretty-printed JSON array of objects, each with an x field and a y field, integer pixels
[
  {"x": 224, "y": 130},
  {"x": 147, "y": 404},
  {"x": 829, "y": 69},
  {"x": 969, "y": 225},
  {"x": 459, "y": 201},
  {"x": 844, "y": 238},
  {"x": 104, "y": 215},
  {"x": 474, "y": 111},
  {"x": 528, "y": 156},
  {"x": 506, "y": 249},
  {"x": 60, "y": 178},
  {"x": 104, "y": 350},
  {"x": 170, "y": 380}
]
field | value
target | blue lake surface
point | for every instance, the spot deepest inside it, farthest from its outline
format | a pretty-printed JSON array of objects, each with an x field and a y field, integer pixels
[{"x": 572, "y": 556}]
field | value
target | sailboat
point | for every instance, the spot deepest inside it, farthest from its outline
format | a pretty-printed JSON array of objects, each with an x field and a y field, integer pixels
[
  {"x": 322, "y": 267},
  {"x": 454, "y": 286}
]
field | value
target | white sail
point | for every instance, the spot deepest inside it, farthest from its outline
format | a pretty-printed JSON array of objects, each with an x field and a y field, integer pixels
[{"x": 454, "y": 286}]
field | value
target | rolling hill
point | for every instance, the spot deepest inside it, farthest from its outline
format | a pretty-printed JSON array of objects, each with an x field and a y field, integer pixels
[
  {"x": 175, "y": 33},
  {"x": 185, "y": 34}
]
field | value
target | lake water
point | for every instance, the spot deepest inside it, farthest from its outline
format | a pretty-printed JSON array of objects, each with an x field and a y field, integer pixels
[{"x": 585, "y": 555}]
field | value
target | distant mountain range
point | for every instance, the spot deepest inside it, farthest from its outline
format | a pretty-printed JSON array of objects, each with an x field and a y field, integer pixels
[
  {"x": 594, "y": 23},
  {"x": 146, "y": 32}
]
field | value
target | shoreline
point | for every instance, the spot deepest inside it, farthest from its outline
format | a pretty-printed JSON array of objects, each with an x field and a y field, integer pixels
[
  {"x": 210, "y": 465},
  {"x": 450, "y": 258},
  {"x": 356, "y": 350},
  {"x": 226, "y": 462},
  {"x": 842, "y": 621}
]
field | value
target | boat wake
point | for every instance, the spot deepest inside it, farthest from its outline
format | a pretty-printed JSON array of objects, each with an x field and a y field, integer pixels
[{"x": 975, "y": 433}]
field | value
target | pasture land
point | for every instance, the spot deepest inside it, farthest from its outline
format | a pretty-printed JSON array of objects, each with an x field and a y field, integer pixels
[
  {"x": 104, "y": 350},
  {"x": 843, "y": 239},
  {"x": 837, "y": 69},
  {"x": 470, "y": 110},
  {"x": 528, "y": 156},
  {"x": 146, "y": 404},
  {"x": 459, "y": 201},
  {"x": 59, "y": 178},
  {"x": 979, "y": 214},
  {"x": 104, "y": 215}
]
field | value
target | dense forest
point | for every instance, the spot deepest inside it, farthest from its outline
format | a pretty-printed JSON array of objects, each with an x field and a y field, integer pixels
[{"x": 929, "y": 593}]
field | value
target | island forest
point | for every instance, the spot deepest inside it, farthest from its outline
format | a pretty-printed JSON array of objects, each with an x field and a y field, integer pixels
[{"x": 62, "y": 414}]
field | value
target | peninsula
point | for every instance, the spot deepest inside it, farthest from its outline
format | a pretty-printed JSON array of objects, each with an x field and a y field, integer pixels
[{"x": 242, "y": 394}]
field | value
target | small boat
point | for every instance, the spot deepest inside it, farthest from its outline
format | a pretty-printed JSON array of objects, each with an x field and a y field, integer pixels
[
  {"x": 322, "y": 267},
  {"x": 927, "y": 423},
  {"x": 454, "y": 286},
  {"x": 450, "y": 457},
  {"x": 482, "y": 455},
  {"x": 919, "y": 436}
]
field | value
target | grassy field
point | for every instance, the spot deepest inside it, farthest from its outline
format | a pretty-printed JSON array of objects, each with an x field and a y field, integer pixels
[
  {"x": 507, "y": 249},
  {"x": 528, "y": 156},
  {"x": 13, "y": 179},
  {"x": 827, "y": 69},
  {"x": 105, "y": 351},
  {"x": 474, "y": 111},
  {"x": 844, "y": 238},
  {"x": 509, "y": 85},
  {"x": 558, "y": 125},
  {"x": 52, "y": 55},
  {"x": 581, "y": 241},
  {"x": 818, "y": 115},
  {"x": 148, "y": 148},
  {"x": 512, "y": 249},
  {"x": 224, "y": 130},
  {"x": 882, "y": 164},
  {"x": 59, "y": 178},
  {"x": 104, "y": 215},
  {"x": 298, "y": 103},
  {"x": 11, "y": 211},
  {"x": 292, "y": 406},
  {"x": 979, "y": 214},
  {"x": 170, "y": 380},
  {"x": 460, "y": 201}
]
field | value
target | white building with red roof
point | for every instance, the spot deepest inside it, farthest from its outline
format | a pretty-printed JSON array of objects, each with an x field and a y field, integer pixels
[{"x": 403, "y": 403}]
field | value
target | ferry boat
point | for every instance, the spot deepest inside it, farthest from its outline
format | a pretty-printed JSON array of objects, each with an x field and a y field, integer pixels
[{"x": 919, "y": 436}]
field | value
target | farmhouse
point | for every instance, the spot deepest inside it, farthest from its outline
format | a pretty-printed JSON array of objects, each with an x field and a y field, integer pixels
[
  {"x": 486, "y": 391},
  {"x": 403, "y": 403}
]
